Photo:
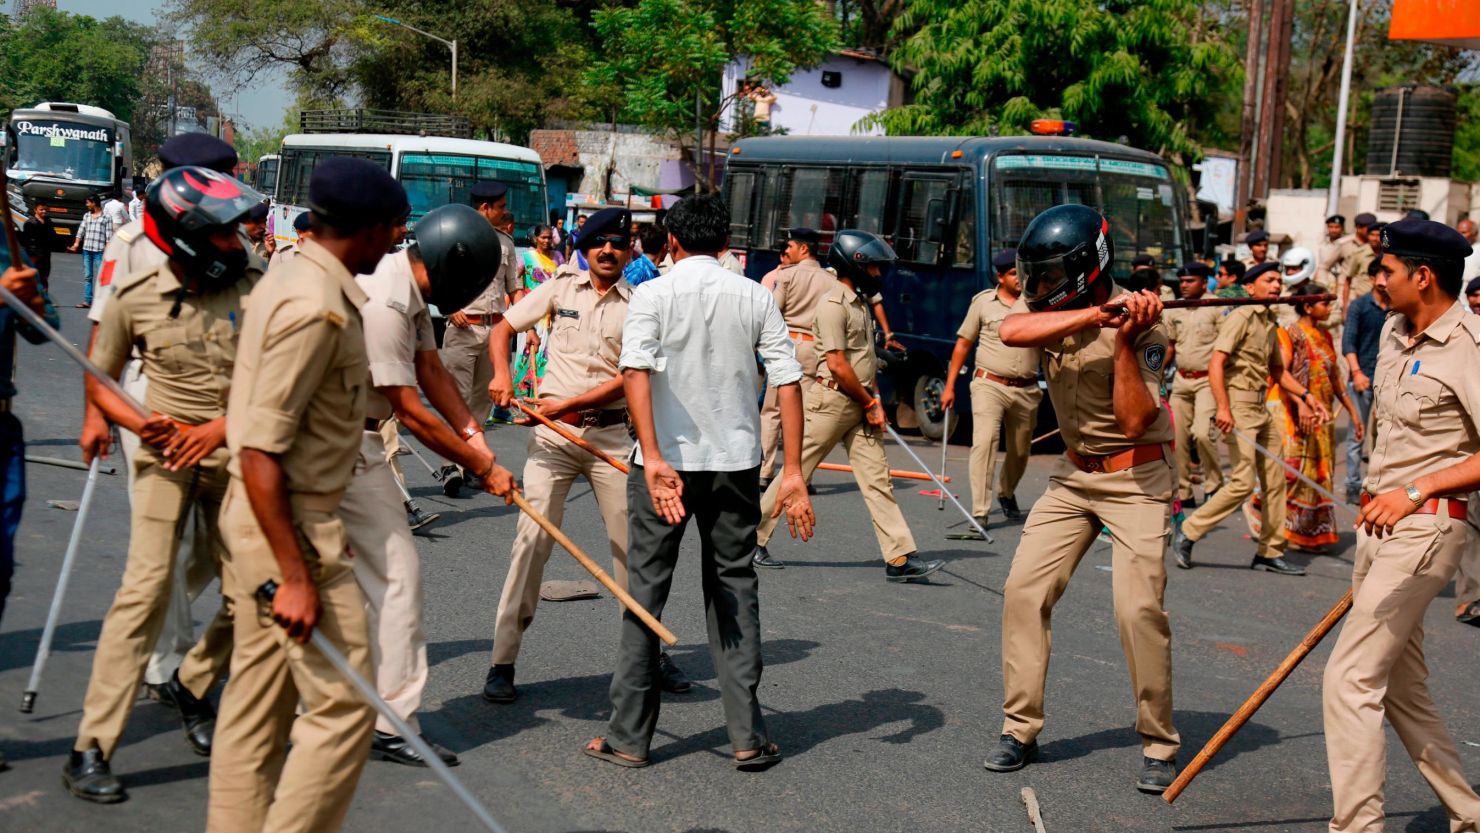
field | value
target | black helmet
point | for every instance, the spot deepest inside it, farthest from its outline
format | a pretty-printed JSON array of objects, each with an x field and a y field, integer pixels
[
  {"x": 1063, "y": 252},
  {"x": 185, "y": 206},
  {"x": 853, "y": 251},
  {"x": 461, "y": 252}
]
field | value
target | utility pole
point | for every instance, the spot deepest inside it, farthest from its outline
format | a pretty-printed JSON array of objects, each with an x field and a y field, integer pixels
[
  {"x": 1246, "y": 134},
  {"x": 450, "y": 44},
  {"x": 1333, "y": 192}
]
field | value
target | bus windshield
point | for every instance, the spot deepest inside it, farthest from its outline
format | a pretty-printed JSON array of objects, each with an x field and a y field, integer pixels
[
  {"x": 1138, "y": 198},
  {"x": 68, "y": 150},
  {"x": 433, "y": 180}
]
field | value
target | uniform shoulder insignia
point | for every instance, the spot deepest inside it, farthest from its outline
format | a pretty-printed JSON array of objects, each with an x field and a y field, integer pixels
[
  {"x": 984, "y": 294},
  {"x": 334, "y": 318},
  {"x": 1154, "y": 355},
  {"x": 129, "y": 233}
]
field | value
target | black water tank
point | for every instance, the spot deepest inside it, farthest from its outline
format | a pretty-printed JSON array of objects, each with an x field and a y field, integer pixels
[{"x": 1412, "y": 132}]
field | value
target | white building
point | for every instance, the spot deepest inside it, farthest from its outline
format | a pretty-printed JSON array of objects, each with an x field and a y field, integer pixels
[{"x": 828, "y": 100}]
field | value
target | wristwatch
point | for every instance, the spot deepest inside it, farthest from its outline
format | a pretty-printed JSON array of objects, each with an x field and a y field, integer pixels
[{"x": 1413, "y": 494}]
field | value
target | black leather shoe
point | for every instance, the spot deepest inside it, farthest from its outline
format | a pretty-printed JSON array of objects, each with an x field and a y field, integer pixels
[
  {"x": 912, "y": 569},
  {"x": 87, "y": 776},
  {"x": 1182, "y": 549},
  {"x": 670, "y": 677},
  {"x": 197, "y": 715},
  {"x": 1276, "y": 565},
  {"x": 1156, "y": 775},
  {"x": 452, "y": 481},
  {"x": 1011, "y": 755},
  {"x": 1010, "y": 508},
  {"x": 160, "y": 693},
  {"x": 499, "y": 686},
  {"x": 762, "y": 558},
  {"x": 811, "y": 490},
  {"x": 1470, "y": 615},
  {"x": 394, "y": 748}
]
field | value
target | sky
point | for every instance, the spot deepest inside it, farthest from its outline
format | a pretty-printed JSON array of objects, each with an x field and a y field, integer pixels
[{"x": 260, "y": 105}]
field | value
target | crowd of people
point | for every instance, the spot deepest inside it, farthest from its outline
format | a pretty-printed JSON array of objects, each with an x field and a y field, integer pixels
[{"x": 261, "y": 438}]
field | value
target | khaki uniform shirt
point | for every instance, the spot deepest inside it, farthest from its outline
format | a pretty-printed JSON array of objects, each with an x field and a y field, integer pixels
[
  {"x": 1249, "y": 262},
  {"x": 1332, "y": 253},
  {"x": 799, "y": 290},
  {"x": 845, "y": 322},
  {"x": 495, "y": 299},
  {"x": 1193, "y": 331},
  {"x": 1081, "y": 376},
  {"x": 1248, "y": 336},
  {"x": 188, "y": 356},
  {"x": 398, "y": 325},
  {"x": 128, "y": 252},
  {"x": 1426, "y": 399},
  {"x": 982, "y": 325},
  {"x": 1354, "y": 270},
  {"x": 585, "y": 341},
  {"x": 259, "y": 248},
  {"x": 301, "y": 371}
]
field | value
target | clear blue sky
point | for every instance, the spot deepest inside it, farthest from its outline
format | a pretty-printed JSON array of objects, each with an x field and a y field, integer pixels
[{"x": 260, "y": 105}]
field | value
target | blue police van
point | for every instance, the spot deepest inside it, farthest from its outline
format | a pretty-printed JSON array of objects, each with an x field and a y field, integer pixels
[{"x": 946, "y": 205}]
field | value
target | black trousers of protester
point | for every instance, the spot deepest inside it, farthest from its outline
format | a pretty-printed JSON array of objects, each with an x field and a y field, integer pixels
[{"x": 726, "y": 508}]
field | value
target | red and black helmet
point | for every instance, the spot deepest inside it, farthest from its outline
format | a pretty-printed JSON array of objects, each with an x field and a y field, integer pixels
[
  {"x": 184, "y": 206},
  {"x": 1064, "y": 251}
]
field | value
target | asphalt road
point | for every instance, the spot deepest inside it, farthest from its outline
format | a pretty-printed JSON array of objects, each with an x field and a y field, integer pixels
[{"x": 883, "y": 697}]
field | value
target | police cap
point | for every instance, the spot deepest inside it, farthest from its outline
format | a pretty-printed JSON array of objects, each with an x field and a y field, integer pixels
[
  {"x": 1364, "y": 220},
  {"x": 489, "y": 190},
  {"x": 351, "y": 193},
  {"x": 1142, "y": 261},
  {"x": 1424, "y": 238},
  {"x": 1416, "y": 214},
  {"x": 1473, "y": 286},
  {"x": 201, "y": 150},
  {"x": 258, "y": 213},
  {"x": 1004, "y": 260},
  {"x": 1255, "y": 271},
  {"x": 802, "y": 234},
  {"x": 300, "y": 223},
  {"x": 1194, "y": 267},
  {"x": 1336, "y": 219},
  {"x": 1258, "y": 235},
  {"x": 608, "y": 222}
]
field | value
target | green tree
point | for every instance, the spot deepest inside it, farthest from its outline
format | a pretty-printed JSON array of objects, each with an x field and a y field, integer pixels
[
  {"x": 661, "y": 61},
  {"x": 1151, "y": 71},
  {"x": 1467, "y": 136},
  {"x": 54, "y": 56}
]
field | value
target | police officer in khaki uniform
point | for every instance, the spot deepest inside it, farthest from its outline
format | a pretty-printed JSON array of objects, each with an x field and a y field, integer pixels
[
  {"x": 1104, "y": 371},
  {"x": 288, "y": 251},
  {"x": 454, "y": 258},
  {"x": 255, "y": 228},
  {"x": 1412, "y": 533},
  {"x": 294, "y": 424},
  {"x": 582, "y": 389},
  {"x": 183, "y": 315},
  {"x": 798, "y": 288},
  {"x": 1192, "y": 332},
  {"x": 1004, "y": 392},
  {"x": 1337, "y": 246},
  {"x": 843, "y": 407},
  {"x": 1258, "y": 243},
  {"x": 1246, "y": 355},
  {"x": 128, "y": 252},
  {"x": 1354, "y": 282},
  {"x": 465, "y": 351}
]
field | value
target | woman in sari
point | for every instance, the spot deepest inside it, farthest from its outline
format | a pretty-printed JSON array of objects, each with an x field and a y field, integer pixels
[
  {"x": 1310, "y": 354},
  {"x": 537, "y": 266}
]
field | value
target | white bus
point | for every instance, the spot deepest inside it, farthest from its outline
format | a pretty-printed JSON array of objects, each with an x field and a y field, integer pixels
[{"x": 434, "y": 170}]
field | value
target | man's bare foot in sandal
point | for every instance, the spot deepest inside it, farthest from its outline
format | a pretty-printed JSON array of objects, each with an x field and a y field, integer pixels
[
  {"x": 755, "y": 760},
  {"x": 601, "y": 750}
]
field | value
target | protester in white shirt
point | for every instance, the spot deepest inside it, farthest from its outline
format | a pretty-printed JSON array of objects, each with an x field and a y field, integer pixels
[
  {"x": 116, "y": 212},
  {"x": 136, "y": 206},
  {"x": 688, "y": 363},
  {"x": 1471, "y": 231}
]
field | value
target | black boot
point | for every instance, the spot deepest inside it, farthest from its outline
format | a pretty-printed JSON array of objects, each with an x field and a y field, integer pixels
[
  {"x": 1276, "y": 565},
  {"x": 1010, "y": 508},
  {"x": 196, "y": 714},
  {"x": 1011, "y": 755},
  {"x": 670, "y": 677},
  {"x": 1156, "y": 775},
  {"x": 394, "y": 748},
  {"x": 1182, "y": 549},
  {"x": 498, "y": 687},
  {"x": 912, "y": 569},
  {"x": 762, "y": 558},
  {"x": 87, "y": 776}
]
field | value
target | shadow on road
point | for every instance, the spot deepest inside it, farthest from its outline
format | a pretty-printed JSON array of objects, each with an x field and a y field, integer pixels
[
  {"x": 1195, "y": 728},
  {"x": 71, "y": 637}
]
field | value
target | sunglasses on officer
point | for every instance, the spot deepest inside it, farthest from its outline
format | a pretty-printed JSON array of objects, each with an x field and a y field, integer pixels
[{"x": 619, "y": 242}]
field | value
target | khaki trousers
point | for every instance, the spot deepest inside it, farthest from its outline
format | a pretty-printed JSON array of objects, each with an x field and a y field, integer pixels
[
  {"x": 1135, "y": 505},
  {"x": 771, "y": 407},
  {"x": 258, "y": 782},
  {"x": 834, "y": 418},
  {"x": 196, "y": 566},
  {"x": 996, "y": 407},
  {"x": 551, "y": 468},
  {"x": 465, "y": 355},
  {"x": 1251, "y": 417},
  {"x": 389, "y": 574},
  {"x": 1377, "y": 670},
  {"x": 1193, "y": 408},
  {"x": 161, "y": 501}
]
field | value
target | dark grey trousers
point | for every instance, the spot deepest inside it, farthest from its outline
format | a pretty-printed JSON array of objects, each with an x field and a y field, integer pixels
[{"x": 726, "y": 508}]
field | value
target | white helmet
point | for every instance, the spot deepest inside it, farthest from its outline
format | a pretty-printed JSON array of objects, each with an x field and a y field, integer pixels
[{"x": 1301, "y": 257}]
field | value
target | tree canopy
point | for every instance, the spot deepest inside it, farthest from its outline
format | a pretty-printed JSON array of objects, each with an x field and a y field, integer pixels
[{"x": 49, "y": 55}]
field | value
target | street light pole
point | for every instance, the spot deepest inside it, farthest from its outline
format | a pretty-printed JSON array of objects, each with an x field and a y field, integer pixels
[
  {"x": 1333, "y": 192},
  {"x": 450, "y": 44}
]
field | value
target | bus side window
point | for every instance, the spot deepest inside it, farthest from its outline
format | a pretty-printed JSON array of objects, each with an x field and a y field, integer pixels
[
  {"x": 922, "y": 208},
  {"x": 868, "y": 201},
  {"x": 740, "y": 194},
  {"x": 964, "y": 253},
  {"x": 812, "y": 198}
]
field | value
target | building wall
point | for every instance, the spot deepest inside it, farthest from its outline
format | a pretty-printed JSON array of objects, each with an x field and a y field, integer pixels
[
  {"x": 1300, "y": 214},
  {"x": 806, "y": 108},
  {"x": 1445, "y": 200},
  {"x": 633, "y": 159}
]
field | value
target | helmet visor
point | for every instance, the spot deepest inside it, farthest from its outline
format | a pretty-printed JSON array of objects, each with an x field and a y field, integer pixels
[
  {"x": 875, "y": 251},
  {"x": 1045, "y": 282}
]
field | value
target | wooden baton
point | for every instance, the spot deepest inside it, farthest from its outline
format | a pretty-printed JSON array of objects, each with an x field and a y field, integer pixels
[
  {"x": 561, "y": 430},
  {"x": 1188, "y": 303},
  {"x": 1263, "y": 693},
  {"x": 595, "y": 570},
  {"x": 903, "y": 474}
]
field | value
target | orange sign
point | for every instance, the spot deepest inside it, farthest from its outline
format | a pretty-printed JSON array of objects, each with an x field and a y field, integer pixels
[{"x": 1444, "y": 22}]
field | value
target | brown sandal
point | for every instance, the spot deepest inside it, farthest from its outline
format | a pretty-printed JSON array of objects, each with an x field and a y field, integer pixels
[
  {"x": 601, "y": 750},
  {"x": 767, "y": 756}
]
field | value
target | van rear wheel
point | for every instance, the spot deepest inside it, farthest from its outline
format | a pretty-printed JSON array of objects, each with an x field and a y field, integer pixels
[{"x": 926, "y": 404}]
